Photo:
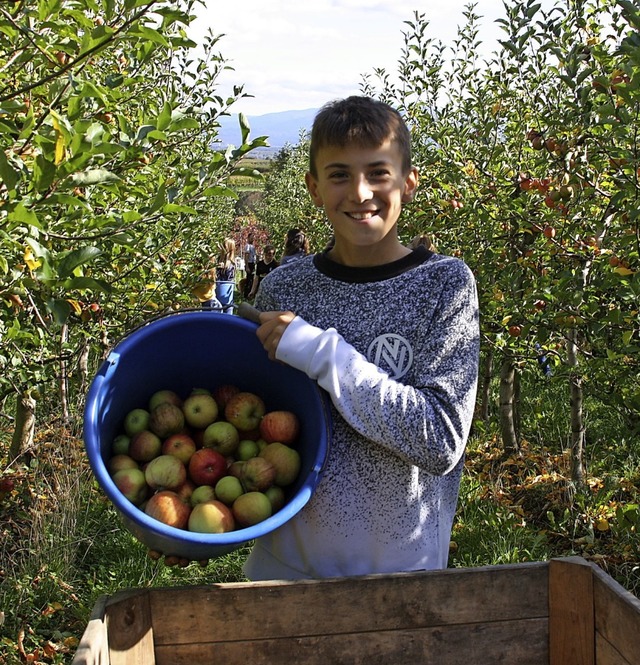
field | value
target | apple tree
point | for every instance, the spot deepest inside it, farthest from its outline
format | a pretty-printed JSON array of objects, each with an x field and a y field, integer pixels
[{"x": 111, "y": 187}]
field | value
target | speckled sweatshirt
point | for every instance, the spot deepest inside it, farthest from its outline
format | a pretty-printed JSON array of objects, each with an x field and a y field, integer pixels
[{"x": 396, "y": 347}]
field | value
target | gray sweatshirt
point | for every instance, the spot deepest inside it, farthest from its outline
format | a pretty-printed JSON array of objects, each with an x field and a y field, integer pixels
[{"x": 396, "y": 347}]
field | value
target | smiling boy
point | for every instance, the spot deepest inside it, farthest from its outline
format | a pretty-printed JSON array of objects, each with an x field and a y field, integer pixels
[{"x": 392, "y": 335}]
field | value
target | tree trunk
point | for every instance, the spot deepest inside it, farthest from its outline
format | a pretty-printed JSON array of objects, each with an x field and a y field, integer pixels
[
  {"x": 485, "y": 385},
  {"x": 64, "y": 375},
  {"x": 577, "y": 420},
  {"x": 508, "y": 406},
  {"x": 83, "y": 367},
  {"x": 25, "y": 428}
]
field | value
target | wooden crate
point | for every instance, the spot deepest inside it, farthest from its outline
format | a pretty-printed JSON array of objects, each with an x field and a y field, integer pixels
[{"x": 561, "y": 612}]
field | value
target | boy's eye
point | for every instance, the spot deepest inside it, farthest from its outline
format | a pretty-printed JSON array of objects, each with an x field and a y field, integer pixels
[
  {"x": 380, "y": 173},
  {"x": 338, "y": 175}
]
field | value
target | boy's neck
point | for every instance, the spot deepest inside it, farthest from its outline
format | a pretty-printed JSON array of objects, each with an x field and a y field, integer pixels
[{"x": 367, "y": 256}]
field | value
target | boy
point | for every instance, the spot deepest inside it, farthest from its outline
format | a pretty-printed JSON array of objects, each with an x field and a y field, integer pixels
[{"x": 392, "y": 335}]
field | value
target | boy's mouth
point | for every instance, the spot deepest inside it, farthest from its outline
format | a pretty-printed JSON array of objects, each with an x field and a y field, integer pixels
[{"x": 361, "y": 216}]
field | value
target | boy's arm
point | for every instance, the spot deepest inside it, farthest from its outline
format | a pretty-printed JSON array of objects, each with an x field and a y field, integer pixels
[{"x": 426, "y": 425}]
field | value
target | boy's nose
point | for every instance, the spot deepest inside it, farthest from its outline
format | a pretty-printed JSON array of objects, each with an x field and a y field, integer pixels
[{"x": 361, "y": 190}]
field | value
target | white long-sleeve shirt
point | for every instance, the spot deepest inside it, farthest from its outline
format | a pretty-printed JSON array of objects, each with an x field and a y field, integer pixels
[{"x": 396, "y": 347}]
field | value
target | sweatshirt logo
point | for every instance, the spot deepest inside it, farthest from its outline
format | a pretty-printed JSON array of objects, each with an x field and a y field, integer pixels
[{"x": 391, "y": 353}]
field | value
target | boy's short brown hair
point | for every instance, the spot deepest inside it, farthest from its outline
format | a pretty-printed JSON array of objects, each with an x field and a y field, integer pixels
[{"x": 363, "y": 121}]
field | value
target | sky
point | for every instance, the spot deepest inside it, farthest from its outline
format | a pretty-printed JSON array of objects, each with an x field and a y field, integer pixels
[{"x": 294, "y": 55}]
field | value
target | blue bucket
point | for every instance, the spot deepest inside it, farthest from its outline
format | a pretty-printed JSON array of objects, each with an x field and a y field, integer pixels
[
  {"x": 199, "y": 349},
  {"x": 224, "y": 293}
]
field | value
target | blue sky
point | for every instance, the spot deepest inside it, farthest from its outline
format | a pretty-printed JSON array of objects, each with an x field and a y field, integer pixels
[{"x": 296, "y": 55}]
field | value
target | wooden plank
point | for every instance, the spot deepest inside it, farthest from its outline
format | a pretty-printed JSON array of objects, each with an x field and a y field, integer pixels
[
  {"x": 617, "y": 616},
  {"x": 500, "y": 642},
  {"x": 129, "y": 629},
  {"x": 571, "y": 620},
  {"x": 272, "y": 610},
  {"x": 93, "y": 648},
  {"x": 607, "y": 654}
]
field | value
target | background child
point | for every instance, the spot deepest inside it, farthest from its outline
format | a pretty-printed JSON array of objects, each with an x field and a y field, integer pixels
[{"x": 392, "y": 335}]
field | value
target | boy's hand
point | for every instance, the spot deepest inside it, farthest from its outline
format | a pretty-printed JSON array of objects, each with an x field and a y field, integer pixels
[{"x": 272, "y": 327}]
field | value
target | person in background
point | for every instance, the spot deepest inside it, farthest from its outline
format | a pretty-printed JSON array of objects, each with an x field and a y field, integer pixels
[
  {"x": 296, "y": 246},
  {"x": 264, "y": 267},
  {"x": 422, "y": 240},
  {"x": 226, "y": 274},
  {"x": 249, "y": 265},
  {"x": 401, "y": 378},
  {"x": 205, "y": 291}
]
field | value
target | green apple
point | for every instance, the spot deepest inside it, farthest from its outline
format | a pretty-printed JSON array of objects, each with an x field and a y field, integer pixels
[
  {"x": 132, "y": 484},
  {"x": 119, "y": 462},
  {"x": 221, "y": 436},
  {"x": 145, "y": 446},
  {"x": 201, "y": 494},
  {"x": 166, "y": 419},
  {"x": 162, "y": 396},
  {"x": 136, "y": 421},
  {"x": 251, "y": 508},
  {"x": 286, "y": 461},
  {"x": 257, "y": 474},
  {"x": 228, "y": 489},
  {"x": 120, "y": 445},
  {"x": 165, "y": 472},
  {"x": 211, "y": 517},
  {"x": 275, "y": 494},
  {"x": 247, "y": 449},
  {"x": 200, "y": 410}
]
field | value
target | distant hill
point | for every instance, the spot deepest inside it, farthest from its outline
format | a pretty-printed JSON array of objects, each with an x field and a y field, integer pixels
[{"x": 281, "y": 128}]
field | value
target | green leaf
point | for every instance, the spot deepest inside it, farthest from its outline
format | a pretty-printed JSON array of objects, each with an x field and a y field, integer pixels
[
  {"x": 23, "y": 215},
  {"x": 164, "y": 119},
  {"x": 87, "y": 283},
  {"x": 93, "y": 177},
  {"x": 77, "y": 257},
  {"x": 8, "y": 174}
]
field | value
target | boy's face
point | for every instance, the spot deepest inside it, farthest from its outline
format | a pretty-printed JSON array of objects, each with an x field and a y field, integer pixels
[{"x": 362, "y": 190}]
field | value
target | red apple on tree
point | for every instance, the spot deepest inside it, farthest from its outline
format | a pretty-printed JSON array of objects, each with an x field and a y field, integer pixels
[
  {"x": 207, "y": 466},
  {"x": 245, "y": 411},
  {"x": 167, "y": 507},
  {"x": 200, "y": 410},
  {"x": 282, "y": 426}
]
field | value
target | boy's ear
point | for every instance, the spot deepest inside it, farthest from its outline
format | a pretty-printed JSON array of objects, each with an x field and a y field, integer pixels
[
  {"x": 312, "y": 186},
  {"x": 410, "y": 185}
]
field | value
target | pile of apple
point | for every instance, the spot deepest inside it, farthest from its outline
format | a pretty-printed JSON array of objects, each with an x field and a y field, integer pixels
[{"x": 211, "y": 463}]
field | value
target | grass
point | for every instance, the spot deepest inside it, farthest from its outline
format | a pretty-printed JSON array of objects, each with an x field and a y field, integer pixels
[{"x": 63, "y": 546}]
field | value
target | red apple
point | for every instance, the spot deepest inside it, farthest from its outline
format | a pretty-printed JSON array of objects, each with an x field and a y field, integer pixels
[
  {"x": 162, "y": 396},
  {"x": 245, "y": 410},
  {"x": 166, "y": 419},
  {"x": 228, "y": 489},
  {"x": 200, "y": 410},
  {"x": 286, "y": 461},
  {"x": 207, "y": 466},
  {"x": 132, "y": 484},
  {"x": 223, "y": 393},
  {"x": 257, "y": 474},
  {"x": 251, "y": 508},
  {"x": 186, "y": 490},
  {"x": 282, "y": 426},
  {"x": 211, "y": 517},
  {"x": 179, "y": 445},
  {"x": 167, "y": 507},
  {"x": 145, "y": 446},
  {"x": 136, "y": 421},
  {"x": 119, "y": 462},
  {"x": 165, "y": 472},
  {"x": 221, "y": 436}
]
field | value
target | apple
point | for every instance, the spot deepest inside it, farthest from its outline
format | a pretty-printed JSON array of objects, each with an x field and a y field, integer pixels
[
  {"x": 228, "y": 489},
  {"x": 164, "y": 396},
  {"x": 120, "y": 445},
  {"x": 144, "y": 446},
  {"x": 245, "y": 410},
  {"x": 251, "y": 508},
  {"x": 223, "y": 393},
  {"x": 257, "y": 474},
  {"x": 179, "y": 445},
  {"x": 275, "y": 494},
  {"x": 200, "y": 410},
  {"x": 247, "y": 449},
  {"x": 286, "y": 461},
  {"x": 282, "y": 426},
  {"x": 186, "y": 490},
  {"x": 221, "y": 436},
  {"x": 165, "y": 472},
  {"x": 202, "y": 493},
  {"x": 211, "y": 517},
  {"x": 119, "y": 462},
  {"x": 207, "y": 466},
  {"x": 136, "y": 421},
  {"x": 132, "y": 484},
  {"x": 167, "y": 507},
  {"x": 166, "y": 419},
  {"x": 235, "y": 468}
]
